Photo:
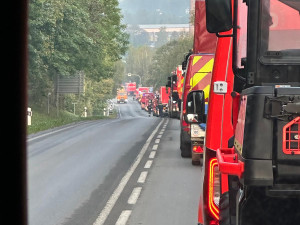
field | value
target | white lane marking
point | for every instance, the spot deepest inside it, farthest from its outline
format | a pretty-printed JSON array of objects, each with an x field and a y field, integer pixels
[
  {"x": 154, "y": 147},
  {"x": 142, "y": 177},
  {"x": 157, "y": 141},
  {"x": 68, "y": 127},
  {"x": 135, "y": 194},
  {"x": 148, "y": 164},
  {"x": 120, "y": 115},
  {"x": 152, "y": 155},
  {"x": 159, "y": 136},
  {"x": 161, "y": 132},
  {"x": 53, "y": 132},
  {"x": 123, "y": 218},
  {"x": 117, "y": 192}
]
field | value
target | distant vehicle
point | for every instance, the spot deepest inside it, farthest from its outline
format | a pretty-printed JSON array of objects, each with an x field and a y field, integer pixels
[
  {"x": 144, "y": 99},
  {"x": 174, "y": 98},
  {"x": 122, "y": 96},
  {"x": 139, "y": 93},
  {"x": 161, "y": 101},
  {"x": 149, "y": 101},
  {"x": 131, "y": 88}
]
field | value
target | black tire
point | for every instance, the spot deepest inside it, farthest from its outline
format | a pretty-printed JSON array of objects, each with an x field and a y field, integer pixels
[
  {"x": 201, "y": 161},
  {"x": 195, "y": 163},
  {"x": 224, "y": 209},
  {"x": 186, "y": 151}
]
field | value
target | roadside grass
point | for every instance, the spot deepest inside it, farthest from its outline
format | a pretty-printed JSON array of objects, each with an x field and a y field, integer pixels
[{"x": 41, "y": 121}]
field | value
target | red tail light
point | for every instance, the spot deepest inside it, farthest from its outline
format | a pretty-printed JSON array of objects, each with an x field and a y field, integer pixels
[
  {"x": 197, "y": 149},
  {"x": 214, "y": 188},
  {"x": 291, "y": 137}
]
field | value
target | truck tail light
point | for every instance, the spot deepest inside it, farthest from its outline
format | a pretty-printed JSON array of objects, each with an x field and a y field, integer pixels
[
  {"x": 291, "y": 137},
  {"x": 197, "y": 149},
  {"x": 214, "y": 188}
]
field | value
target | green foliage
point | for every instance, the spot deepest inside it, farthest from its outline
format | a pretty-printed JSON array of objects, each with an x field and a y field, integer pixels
[
  {"x": 67, "y": 36},
  {"x": 166, "y": 59},
  {"x": 155, "y": 65},
  {"x": 41, "y": 121},
  {"x": 138, "y": 61}
]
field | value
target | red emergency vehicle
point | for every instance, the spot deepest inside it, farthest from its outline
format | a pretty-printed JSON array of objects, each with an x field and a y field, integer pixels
[
  {"x": 144, "y": 99},
  {"x": 219, "y": 130},
  {"x": 252, "y": 150},
  {"x": 140, "y": 92},
  {"x": 161, "y": 101},
  {"x": 131, "y": 88},
  {"x": 197, "y": 68},
  {"x": 175, "y": 82},
  {"x": 149, "y": 97}
]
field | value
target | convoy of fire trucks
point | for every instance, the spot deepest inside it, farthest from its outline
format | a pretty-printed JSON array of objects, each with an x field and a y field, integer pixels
[{"x": 237, "y": 97}]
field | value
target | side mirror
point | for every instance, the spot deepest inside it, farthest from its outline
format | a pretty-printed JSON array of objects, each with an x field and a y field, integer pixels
[
  {"x": 218, "y": 15},
  {"x": 168, "y": 83},
  {"x": 195, "y": 107},
  {"x": 174, "y": 79}
]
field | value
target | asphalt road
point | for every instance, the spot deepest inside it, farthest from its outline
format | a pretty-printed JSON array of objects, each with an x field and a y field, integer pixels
[{"x": 119, "y": 171}]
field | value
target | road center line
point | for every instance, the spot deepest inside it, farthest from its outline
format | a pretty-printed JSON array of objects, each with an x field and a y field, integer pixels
[
  {"x": 152, "y": 155},
  {"x": 142, "y": 177},
  {"x": 154, "y": 147},
  {"x": 157, "y": 141},
  {"x": 117, "y": 192},
  {"x": 161, "y": 132},
  {"x": 134, "y": 195},
  {"x": 148, "y": 164},
  {"x": 123, "y": 218},
  {"x": 159, "y": 136}
]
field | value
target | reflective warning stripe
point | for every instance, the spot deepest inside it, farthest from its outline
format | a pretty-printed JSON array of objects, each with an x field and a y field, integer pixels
[
  {"x": 196, "y": 59},
  {"x": 206, "y": 91},
  {"x": 207, "y": 68}
]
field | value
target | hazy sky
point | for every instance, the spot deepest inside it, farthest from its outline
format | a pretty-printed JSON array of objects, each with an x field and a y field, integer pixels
[{"x": 155, "y": 11}]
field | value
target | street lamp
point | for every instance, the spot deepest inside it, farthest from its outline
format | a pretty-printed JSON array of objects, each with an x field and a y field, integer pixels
[{"x": 131, "y": 74}]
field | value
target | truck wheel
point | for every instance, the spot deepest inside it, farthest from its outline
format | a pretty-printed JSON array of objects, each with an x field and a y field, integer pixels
[
  {"x": 195, "y": 163},
  {"x": 224, "y": 209},
  {"x": 185, "y": 151}
]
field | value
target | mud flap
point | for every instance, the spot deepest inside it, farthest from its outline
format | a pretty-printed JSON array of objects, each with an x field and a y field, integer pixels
[{"x": 224, "y": 209}]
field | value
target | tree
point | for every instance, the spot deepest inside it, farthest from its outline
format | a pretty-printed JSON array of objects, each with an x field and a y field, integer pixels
[
  {"x": 70, "y": 36},
  {"x": 138, "y": 61},
  {"x": 166, "y": 59}
]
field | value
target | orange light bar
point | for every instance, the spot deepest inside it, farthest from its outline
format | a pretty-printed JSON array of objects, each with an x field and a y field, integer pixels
[{"x": 211, "y": 205}]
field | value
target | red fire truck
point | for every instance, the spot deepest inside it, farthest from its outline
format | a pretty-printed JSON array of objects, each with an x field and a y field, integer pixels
[
  {"x": 197, "y": 68},
  {"x": 160, "y": 103},
  {"x": 131, "y": 88},
  {"x": 252, "y": 148},
  {"x": 144, "y": 99},
  {"x": 139, "y": 93},
  {"x": 219, "y": 128},
  {"x": 175, "y": 82}
]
